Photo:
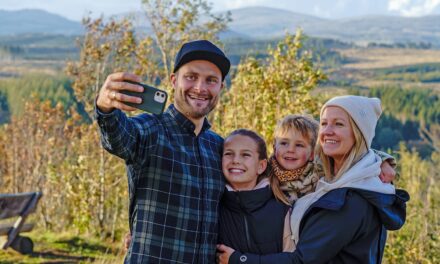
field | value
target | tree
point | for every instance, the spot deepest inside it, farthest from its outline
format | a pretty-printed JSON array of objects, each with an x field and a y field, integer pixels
[
  {"x": 176, "y": 22},
  {"x": 387, "y": 138},
  {"x": 410, "y": 130},
  {"x": 44, "y": 150},
  {"x": 4, "y": 108},
  {"x": 107, "y": 47},
  {"x": 264, "y": 91},
  {"x": 417, "y": 241},
  {"x": 33, "y": 141}
]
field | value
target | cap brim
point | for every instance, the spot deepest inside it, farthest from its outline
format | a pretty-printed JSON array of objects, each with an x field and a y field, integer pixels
[{"x": 220, "y": 61}]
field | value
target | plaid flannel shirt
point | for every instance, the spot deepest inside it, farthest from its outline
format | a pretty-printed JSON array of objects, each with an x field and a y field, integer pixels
[{"x": 175, "y": 184}]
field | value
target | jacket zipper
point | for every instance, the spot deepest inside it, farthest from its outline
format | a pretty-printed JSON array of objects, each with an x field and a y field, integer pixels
[
  {"x": 248, "y": 239},
  {"x": 246, "y": 227}
]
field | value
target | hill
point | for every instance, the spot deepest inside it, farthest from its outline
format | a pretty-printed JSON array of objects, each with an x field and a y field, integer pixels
[
  {"x": 36, "y": 21},
  {"x": 263, "y": 22},
  {"x": 257, "y": 23}
]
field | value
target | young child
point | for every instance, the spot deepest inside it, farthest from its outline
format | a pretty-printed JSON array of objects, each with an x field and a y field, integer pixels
[{"x": 293, "y": 172}]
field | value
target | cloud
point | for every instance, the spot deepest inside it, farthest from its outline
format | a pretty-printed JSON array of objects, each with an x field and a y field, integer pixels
[{"x": 413, "y": 7}]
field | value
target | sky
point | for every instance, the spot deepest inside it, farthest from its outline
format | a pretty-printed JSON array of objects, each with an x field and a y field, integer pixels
[{"x": 76, "y": 9}]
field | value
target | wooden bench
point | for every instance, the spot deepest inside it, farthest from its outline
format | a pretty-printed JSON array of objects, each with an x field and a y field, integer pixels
[{"x": 17, "y": 205}]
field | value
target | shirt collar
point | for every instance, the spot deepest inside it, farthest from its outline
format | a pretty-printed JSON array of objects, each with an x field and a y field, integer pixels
[{"x": 184, "y": 122}]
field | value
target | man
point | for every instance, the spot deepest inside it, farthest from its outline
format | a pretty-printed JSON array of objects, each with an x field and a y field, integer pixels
[{"x": 173, "y": 160}]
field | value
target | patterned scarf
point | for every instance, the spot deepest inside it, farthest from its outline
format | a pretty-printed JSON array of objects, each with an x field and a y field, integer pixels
[{"x": 287, "y": 175}]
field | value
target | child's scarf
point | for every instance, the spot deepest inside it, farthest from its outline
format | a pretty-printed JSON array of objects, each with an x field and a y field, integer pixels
[{"x": 284, "y": 175}]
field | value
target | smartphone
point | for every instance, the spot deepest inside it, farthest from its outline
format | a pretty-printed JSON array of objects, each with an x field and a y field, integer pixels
[{"x": 153, "y": 99}]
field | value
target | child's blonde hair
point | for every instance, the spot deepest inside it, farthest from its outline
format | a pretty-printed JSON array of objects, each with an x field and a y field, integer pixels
[{"x": 304, "y": 124}]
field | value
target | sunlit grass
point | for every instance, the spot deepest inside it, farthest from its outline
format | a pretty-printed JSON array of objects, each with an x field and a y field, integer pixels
[
  {"x": 66, "y": 248},
  {"x": 374, "y": 58}
]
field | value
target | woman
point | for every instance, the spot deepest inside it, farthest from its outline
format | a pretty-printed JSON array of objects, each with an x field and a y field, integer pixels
[{"x": 344, "y": 220}]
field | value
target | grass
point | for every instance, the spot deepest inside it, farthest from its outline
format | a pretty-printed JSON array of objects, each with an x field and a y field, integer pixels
[
  {"x": 66, "y": 248},
  {"x": 375, "y": 58},
  {"x": 371, "y": 67}
]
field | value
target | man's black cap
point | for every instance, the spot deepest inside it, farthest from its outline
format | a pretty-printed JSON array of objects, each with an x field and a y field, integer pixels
[{"x": 202, "y": 50}]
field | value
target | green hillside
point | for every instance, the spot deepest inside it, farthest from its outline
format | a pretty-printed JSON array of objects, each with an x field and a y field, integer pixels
[{"x": 15, "y": 92}]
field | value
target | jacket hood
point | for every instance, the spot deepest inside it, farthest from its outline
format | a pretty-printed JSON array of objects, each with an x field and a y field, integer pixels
[{"x": 391, "y": 208}]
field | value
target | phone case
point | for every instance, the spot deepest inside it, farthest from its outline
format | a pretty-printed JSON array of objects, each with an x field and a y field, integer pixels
[{"x": 153, "y": 99}]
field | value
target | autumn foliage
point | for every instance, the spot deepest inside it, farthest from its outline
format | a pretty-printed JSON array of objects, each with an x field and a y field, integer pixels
[{"x": 85, "y": 189}]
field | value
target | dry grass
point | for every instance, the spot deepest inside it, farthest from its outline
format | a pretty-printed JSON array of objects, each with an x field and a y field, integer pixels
[
  {"x": 10, "y": 68},
  {"x": 368, "y": 58}
]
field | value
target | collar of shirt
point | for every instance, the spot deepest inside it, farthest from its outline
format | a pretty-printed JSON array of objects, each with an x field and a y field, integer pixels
[{"x": 184, "y": 122}]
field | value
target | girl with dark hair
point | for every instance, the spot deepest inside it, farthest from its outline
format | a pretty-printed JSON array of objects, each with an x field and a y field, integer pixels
[{"x": 251, "y": 219}]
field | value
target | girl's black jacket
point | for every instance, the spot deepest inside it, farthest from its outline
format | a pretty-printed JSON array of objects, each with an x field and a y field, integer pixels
[{"x": 252, "y": 221}]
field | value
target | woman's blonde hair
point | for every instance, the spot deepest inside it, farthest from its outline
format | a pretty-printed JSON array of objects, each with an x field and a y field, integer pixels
[
  {"x": 354, "y": 155},
  {"x": 308, "y": 128}
]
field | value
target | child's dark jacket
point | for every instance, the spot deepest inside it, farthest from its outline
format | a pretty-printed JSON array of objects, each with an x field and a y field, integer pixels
[{"x": 252, "y": 221}]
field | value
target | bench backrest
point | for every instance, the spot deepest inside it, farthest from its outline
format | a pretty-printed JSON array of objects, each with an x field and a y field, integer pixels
[{"x": 19, "y": 204}]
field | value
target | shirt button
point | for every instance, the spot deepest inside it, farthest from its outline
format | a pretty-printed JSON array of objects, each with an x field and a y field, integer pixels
[{"x": 243, "y": 258}]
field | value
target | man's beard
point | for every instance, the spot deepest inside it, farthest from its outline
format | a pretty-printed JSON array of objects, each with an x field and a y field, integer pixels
[{"x": 190, "y": 111}]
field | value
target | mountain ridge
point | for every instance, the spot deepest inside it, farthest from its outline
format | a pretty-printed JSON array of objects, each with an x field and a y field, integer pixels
[
  {"x": 37, "y": 21},
  {"x": 257, "y": 23}
]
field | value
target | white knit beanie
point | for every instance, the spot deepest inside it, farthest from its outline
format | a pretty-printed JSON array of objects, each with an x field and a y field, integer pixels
[{"x": 365, "y": 112}]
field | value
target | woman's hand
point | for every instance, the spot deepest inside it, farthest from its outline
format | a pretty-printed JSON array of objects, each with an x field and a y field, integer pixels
[{"x": 224, "y": 253}]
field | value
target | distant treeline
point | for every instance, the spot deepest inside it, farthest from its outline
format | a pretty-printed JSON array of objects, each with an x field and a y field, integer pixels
[
  {"x": 422, "y": 105},
  {"x": 407, "y": 113},
  {"x": 14, "y": 92},
  {"x": 10, "y": 51},
  {"x": 39, "y": 46},
  {"x": 38, "y": 53},
  {"x": 408, "y": 45},
  {"x": 321, "y": 50},
  {"x": 59, "y": 47},
  {"x": 424, "y": 72}
]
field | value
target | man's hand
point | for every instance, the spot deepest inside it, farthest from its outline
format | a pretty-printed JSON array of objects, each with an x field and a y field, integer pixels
[
  {"x": 387, "y": 172},
  {"x": 127, "y": 241},
  {"x": 223, "y": 254},
  {"x": 110, "y": 96}
]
